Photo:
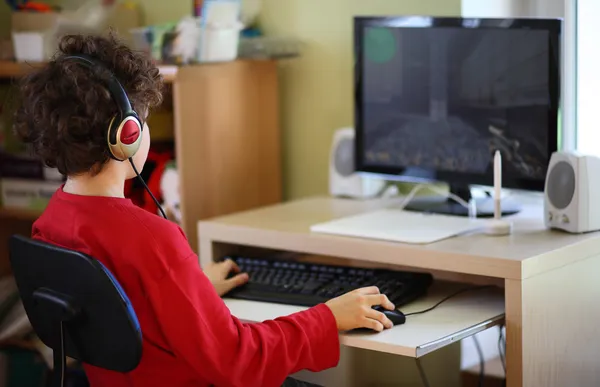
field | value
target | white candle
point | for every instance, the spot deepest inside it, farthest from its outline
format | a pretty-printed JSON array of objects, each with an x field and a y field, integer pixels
[
  {"x": 497, "y": 174},
  {"x": 497, "y": 183}
]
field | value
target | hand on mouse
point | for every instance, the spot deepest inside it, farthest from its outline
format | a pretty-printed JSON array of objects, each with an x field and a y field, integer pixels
[
  {"x": 217, "y": 273},
  {"x": 354, "y": 310}
]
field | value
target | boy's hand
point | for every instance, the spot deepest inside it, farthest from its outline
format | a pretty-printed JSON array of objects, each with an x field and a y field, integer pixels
[
  {"x": 354, "y": 310},
  {"x": 217, "y": 273}
]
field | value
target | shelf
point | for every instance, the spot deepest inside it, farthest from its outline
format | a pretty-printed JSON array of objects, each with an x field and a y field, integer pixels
[
  {"x": 19, "y": 214},
  {"x": 19, "y": 343},
  {"x": 9, "y": 69},
  {"x": 493, "y": 368},
  {"x": 494, "y": 374},
  {"x": 459, "y": 317},
  {"x": 169, "y": 73}
]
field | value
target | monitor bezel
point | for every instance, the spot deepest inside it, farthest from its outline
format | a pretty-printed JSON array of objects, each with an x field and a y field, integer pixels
[{"x": 412, "y": 174}]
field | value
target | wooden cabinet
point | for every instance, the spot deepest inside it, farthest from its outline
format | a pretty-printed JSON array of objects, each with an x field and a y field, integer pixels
[{"x": 226, "y": 140}]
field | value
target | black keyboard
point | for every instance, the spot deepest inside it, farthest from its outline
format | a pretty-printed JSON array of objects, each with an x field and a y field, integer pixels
[{"x": 307, "y": 284}]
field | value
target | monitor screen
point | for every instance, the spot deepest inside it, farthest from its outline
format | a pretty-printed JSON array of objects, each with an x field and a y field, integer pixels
[{"x": 436, "y": 100}]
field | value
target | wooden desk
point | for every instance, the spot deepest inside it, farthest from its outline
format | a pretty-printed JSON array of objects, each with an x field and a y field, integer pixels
[{"x": 550, "y": 282}]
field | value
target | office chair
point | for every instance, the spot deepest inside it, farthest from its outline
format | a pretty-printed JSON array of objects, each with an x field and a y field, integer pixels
[{"x": 76, "y": 307}]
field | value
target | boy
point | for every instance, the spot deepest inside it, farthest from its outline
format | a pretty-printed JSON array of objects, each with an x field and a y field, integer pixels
[{"x": 189, "y": 336}]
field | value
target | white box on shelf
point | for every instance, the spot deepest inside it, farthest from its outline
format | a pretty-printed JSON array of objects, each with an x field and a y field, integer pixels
[
  {"x": 32, "y": 35},
  {"x": 29, "y": 46},
  {"x": 219, "y": 44}
]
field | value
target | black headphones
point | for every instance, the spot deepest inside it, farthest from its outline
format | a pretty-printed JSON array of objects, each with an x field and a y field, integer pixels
[{"x": 125, "y": 129}]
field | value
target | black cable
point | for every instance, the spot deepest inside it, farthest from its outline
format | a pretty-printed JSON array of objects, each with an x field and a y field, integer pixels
[
  {"x": 477, "y": 346},
  {"x": 502, "y": 352},
  {"x": 422, "y": 373},
  {"x": 147, "y": 189},
  {"x": 481, "y": 360},
  {"x": 449, "y": 297}
]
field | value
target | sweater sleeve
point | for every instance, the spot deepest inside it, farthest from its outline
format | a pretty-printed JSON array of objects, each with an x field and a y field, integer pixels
[{"x": 226, "y": 352}]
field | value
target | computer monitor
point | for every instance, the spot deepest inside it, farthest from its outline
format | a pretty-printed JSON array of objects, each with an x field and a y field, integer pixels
[{"x": 436, "y": 97}]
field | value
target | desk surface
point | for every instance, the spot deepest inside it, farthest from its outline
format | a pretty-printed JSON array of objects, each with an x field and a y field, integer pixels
[
  {"x": 459, "y": 317},
  {"x": 530, "y": 263},
  {"x": 531, "y": 248}
]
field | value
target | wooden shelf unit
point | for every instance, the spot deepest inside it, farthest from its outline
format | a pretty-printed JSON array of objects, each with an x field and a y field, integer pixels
[
  {"x": 227, "y": 139},
  {"x": 18, "y": 214},
  {"x": 10, "y": 69}
]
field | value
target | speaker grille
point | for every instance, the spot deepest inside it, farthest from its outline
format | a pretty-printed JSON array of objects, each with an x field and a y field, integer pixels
[
  {"x": 344, "y": 157},
  {"x": 561, "y": 185}
]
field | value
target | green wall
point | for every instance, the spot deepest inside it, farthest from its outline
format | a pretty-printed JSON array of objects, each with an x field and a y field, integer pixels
[
  {"x": 160, "y": 11},
  {"x": 4, "y": 20},
  {"x": 316, "y": 89}
]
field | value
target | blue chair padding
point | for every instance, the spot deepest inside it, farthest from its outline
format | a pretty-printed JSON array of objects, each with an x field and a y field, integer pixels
[{"x": 123, "y": 296}]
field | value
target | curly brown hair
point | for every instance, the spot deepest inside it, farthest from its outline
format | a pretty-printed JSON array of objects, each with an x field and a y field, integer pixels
[{"x": 65, "y": 108}]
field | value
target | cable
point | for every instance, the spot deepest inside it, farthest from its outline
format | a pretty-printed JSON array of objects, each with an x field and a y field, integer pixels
[
  {"x": 502, "y": 350},
  {"x": 481, "y": 360},
  {"x": 147, "y": 189},
  {"x": 449, "y": 297},
  {"x": 469, "y": 206},
  {"x": 388, "y": 190},
  {"x": 477, "y": 345},
  {"x": 422, "y": 373}
]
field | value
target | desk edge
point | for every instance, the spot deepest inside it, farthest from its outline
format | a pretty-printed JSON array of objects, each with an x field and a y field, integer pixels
[
  {"x": 209, "y": 232},
  {"x": 425, "y": 349}
]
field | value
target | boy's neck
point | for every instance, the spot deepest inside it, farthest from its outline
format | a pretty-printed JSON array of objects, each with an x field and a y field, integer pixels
[{"x": 106, "y": 183}]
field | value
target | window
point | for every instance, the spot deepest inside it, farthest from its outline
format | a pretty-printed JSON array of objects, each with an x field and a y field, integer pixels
[{"x": 586, "y": 75}]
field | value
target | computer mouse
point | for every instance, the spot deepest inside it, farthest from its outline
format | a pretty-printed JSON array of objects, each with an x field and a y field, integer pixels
[{"x": 395, "y": 316}]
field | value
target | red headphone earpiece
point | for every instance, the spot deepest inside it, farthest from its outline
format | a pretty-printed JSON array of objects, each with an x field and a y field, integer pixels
[
  {"x": 130, "y": 132},
  {"x": 124, "y": 137}
]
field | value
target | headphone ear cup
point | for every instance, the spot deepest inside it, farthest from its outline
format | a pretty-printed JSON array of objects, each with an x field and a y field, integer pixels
[{"x": 124, "y": 137}]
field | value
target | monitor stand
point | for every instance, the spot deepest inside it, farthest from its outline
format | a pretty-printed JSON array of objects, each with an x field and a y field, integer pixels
[{"x": 447, "y": 206}]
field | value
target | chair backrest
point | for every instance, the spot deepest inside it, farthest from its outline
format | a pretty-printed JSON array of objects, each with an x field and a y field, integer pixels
[{"x": 104, "y": 331}]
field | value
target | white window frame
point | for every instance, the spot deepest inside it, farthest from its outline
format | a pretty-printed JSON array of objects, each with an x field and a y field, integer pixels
[
  {"x": 585, "y": 74},
  {"x": 569, "y": 77}
]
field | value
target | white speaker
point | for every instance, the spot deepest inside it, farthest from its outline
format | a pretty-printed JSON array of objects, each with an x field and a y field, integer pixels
[
  {"x": 572, "y": 192},
  {"x": 343, "y": 180}
]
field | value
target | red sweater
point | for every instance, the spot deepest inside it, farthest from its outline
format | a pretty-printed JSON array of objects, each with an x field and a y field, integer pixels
[{"x": 189, "y": 336}]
